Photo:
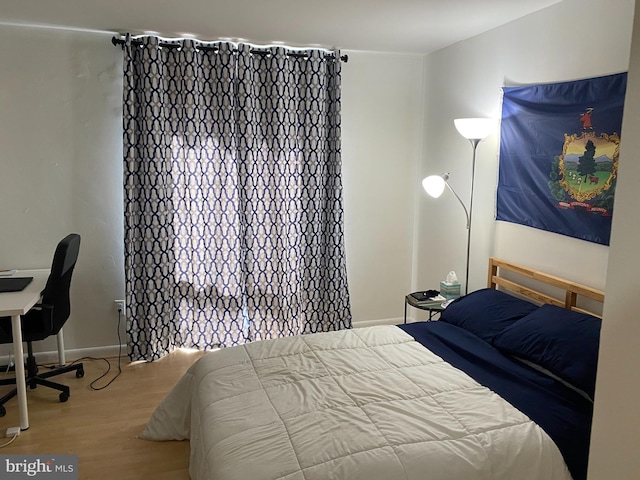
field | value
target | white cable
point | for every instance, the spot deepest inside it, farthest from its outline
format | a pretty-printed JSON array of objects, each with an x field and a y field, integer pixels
[
  {"x": 10, "y": 441},
  {"x": 9, "y": 363}
]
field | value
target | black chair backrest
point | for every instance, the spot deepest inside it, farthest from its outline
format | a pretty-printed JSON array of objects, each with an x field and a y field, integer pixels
[{"x": 56, "y": 292}]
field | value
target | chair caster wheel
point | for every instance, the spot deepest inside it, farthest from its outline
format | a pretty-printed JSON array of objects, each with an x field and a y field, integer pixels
[
  {"x": 79, "y": 373},
  {"x": 64, "y": 397},
  {"x": 3, "y": 411}
]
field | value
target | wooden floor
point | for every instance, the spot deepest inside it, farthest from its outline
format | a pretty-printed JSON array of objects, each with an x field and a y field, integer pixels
[{"x": 101, "y": 426}]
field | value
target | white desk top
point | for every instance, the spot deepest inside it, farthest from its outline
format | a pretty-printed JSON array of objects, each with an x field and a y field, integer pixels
[{"x": 19, "y": 303}]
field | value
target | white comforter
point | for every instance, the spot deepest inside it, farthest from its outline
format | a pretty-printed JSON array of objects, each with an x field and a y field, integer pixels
[{"x": 366, "y": 404}]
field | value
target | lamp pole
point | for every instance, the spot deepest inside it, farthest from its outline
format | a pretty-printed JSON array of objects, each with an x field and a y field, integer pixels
[
  {"x": 433, "y": 185},
  {"x": 474, "y": 130},
  {"x": 474, "y": 145}
]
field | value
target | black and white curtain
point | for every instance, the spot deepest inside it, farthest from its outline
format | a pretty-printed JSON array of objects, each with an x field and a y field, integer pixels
[{"x": 232, "y": 195}]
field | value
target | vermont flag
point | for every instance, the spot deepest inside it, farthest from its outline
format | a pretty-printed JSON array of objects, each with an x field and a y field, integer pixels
[{"x": 559, "y": 147}]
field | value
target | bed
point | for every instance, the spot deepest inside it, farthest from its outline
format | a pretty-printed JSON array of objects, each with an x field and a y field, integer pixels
[{"x": 501, "y": 387}]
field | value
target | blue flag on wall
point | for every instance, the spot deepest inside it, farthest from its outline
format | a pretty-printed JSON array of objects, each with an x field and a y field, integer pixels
[{"x": 559, "y": 147}]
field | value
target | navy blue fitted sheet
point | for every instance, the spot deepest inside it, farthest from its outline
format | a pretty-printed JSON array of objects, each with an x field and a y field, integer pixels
[{"x": 562, "y": 413}]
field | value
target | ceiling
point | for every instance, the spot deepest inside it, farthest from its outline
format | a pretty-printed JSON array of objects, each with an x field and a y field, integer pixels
[{"x": 409, "y": 26}]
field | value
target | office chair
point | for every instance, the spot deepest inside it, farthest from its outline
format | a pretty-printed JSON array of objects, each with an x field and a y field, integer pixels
[{"x": 46, "y": 319}]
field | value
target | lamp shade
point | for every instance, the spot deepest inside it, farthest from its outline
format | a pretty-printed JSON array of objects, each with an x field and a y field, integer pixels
[
  {"x": 434, "y": 184},
  {"x": 475, "y": 128}
]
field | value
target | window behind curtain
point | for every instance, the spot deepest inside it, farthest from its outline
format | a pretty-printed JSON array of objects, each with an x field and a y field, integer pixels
[{"x": 233, "y": 196}]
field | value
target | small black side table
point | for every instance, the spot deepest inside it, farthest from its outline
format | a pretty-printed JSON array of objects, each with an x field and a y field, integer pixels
[{"x": 432, "y": 308}]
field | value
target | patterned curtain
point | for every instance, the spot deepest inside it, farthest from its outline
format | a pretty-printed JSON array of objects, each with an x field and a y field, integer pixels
[{"x": 233, "y": 195}]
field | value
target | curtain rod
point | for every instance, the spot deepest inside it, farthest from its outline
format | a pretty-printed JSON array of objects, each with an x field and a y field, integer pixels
[{"x": 119, "y": 41}]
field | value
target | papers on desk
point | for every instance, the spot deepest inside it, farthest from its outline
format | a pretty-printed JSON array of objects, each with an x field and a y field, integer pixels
[
  {"x": 6, "y": 272},
  {"x": 446, "y": 304},
  {"x": 436, "y": 300}
]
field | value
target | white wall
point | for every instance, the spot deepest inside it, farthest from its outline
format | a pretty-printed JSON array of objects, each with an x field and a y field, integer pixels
[
  {"x": 381, "y": 136},
  {"x": 61, "y": 171},
  {"x": 571, "y": 40},
  {"x": 60, "y": 131},
  {"x": 616, "y": 425}
]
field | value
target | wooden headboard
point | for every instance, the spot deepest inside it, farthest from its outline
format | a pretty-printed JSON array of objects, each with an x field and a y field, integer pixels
[{"x": 571, "y": 290}]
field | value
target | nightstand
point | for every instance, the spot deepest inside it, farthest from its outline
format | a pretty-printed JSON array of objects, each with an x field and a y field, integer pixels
[{"x": 432, "y": 308}]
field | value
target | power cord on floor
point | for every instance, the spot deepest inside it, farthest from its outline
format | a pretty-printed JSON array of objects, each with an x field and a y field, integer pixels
[
  {"x": 92, "y": 384},
  {"x": 14, "y": 432},
  {"x": 13, "y": 438}
]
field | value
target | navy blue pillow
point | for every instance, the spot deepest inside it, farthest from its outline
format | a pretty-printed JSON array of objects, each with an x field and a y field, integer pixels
[
  {"x": 564, "y": 342},
  {"x": 487, "y": 312}
]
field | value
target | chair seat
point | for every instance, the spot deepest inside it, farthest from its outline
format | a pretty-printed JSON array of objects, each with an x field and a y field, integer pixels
[{"x": 33, "y": 328}]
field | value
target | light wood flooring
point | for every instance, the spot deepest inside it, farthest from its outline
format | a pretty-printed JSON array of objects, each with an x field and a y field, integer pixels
[{"x": 101, "y": 426}]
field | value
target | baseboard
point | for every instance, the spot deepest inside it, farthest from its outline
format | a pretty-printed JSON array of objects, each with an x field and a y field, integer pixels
[
  {"x": 373, "y": 323},
  {"x": 108, "y": 351}
]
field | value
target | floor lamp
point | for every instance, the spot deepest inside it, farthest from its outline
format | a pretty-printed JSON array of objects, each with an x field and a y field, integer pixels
[{"x": 474, "y": 130}]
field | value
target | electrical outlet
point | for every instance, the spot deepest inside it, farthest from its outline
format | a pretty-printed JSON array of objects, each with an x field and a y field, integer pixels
[{"x": 119, "y": 305}]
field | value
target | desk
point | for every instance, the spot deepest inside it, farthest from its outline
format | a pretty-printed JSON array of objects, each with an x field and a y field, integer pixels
[
  {"x": 432, "y": 308},
  {"x": 15, "y": 304}
]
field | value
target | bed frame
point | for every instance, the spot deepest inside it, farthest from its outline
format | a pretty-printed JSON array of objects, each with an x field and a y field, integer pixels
[{"x": 571, "y": 291}]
